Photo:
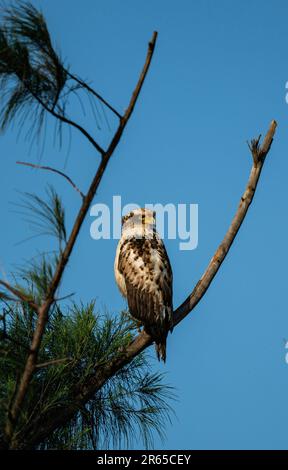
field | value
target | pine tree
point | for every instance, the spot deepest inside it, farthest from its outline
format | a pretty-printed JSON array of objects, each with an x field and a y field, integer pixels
[{"x": 77, "y": 339}]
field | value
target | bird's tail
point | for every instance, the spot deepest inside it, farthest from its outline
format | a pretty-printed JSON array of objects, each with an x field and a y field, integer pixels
[{"x": 161, "y": 350}]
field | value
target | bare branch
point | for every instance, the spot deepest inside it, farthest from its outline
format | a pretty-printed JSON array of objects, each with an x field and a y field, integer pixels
[
  {"x": 63, "y": 118},
  {"x": 91, "y": 90},
  {"x": 20, "y": 295},
  {"x": 82, "y": 394},
  {"x": 254, "y": 149},
  {"x": 259, "y": 153},
  {"x": 71, "y": 123},
  {"x": 45, "y": 307},
  {"x": 49, "y": 168},
  {"x": 65, "y": 297},
  {"x": 268, "y": 139}
]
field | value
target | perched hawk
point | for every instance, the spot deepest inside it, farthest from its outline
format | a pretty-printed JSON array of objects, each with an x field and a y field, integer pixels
[{"x": 144, "y": 276}]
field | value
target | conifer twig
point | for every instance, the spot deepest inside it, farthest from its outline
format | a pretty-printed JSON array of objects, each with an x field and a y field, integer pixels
[
  {"x": 49, "y": 168},
  {"x": 20, "y": 295}
]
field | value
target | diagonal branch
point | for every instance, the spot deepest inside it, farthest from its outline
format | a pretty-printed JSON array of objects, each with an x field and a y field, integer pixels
[
  {"x": 43, "y": 427},
  {"x": 49, "y": 168},
  {"x": 63, "y": 118},
  {"x": 45, "y": 307},
  {"x": 93, "y": 92},
  {"x": 20, "y": 295},
  {"x": 258, "y": 154}
]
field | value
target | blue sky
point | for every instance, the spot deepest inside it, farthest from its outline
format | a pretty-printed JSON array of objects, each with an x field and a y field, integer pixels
[{"x": 217, "y": 79}]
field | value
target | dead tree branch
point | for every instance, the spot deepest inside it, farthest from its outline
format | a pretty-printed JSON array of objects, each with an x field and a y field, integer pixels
[
  {"x": 49, "y": 168},
  {"x": 61, "y": 117},
  {"x": 93, "y": 92},
  {"x": 258, "y": 153}
]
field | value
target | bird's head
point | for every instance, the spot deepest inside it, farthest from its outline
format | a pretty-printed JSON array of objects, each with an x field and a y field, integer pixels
[{"x": 139, "y": 223}]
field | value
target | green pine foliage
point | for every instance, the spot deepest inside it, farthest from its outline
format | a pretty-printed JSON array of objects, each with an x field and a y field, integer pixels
[
  {"x": 34, "y": 80},
  {"x": 130, "y": 407},
  {"x": 32, "y": 75},
  {"x": 46, "y": 216}
]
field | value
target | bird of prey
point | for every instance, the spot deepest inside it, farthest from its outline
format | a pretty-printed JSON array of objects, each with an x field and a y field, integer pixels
[{"x": 144, "y": 276}]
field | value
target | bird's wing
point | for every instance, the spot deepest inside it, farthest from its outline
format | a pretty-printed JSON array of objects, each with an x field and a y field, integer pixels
[{"x": 146, "y": 269}]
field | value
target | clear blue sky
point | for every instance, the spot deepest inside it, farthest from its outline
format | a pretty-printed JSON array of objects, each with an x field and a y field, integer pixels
[{"x": 217, "y": 79}]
